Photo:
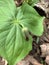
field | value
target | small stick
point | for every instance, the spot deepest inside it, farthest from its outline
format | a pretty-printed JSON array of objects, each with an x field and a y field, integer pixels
[{"x": 32, "y": 60}]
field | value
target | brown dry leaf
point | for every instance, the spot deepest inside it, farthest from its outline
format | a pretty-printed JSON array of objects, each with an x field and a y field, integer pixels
[
  {"x": 45, "y": 49},
  {"x": 47, "y": 60}
]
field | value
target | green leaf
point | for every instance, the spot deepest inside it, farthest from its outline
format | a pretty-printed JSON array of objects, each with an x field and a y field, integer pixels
[
  {"x": 31, "y": 2},
  {"x": 14, "y": 25},
  {"x": 31, "y": 19},
  {"x": 13, "y": 45},
  {"x": 34, "y": 2},
  {"x": 7, "y": 10}
]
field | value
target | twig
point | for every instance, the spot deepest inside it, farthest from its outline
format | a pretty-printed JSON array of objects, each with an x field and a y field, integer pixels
[{"x": 32, "y": 60}]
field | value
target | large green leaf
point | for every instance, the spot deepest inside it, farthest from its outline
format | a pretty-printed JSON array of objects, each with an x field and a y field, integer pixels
[
  {"x": 13, "y": 45},
  {"x": 14, "y": 25},
  {"x": 29, "y": 18}
]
